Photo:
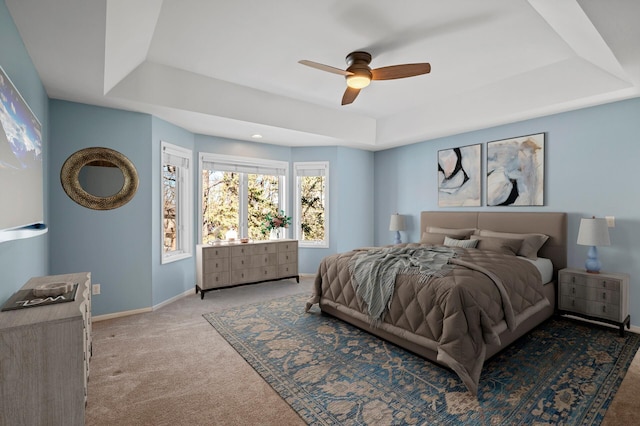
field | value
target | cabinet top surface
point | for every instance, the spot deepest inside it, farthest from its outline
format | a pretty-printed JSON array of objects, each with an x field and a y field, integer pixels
[
  {"x": 592, "y": 275},
  {"x": 238, "y": 243},
  {"x": 58, "y": 311}
]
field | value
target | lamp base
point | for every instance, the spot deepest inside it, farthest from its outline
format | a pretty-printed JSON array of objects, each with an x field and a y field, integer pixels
[
  {"x": 592, "y": 264},
  {"x": 398, "y": 240}
]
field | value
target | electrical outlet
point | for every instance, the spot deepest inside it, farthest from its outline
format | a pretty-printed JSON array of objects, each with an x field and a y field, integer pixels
[
  {"x": 611, "y": 221},
  {"x": 96, "y": 289}
]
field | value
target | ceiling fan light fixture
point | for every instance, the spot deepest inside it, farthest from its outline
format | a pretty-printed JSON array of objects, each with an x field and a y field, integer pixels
[{"x": 356, "y": 81}]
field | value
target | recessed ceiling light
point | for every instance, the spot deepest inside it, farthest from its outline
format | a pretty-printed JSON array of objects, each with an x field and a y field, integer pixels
[{"x": 256, "y": 136}]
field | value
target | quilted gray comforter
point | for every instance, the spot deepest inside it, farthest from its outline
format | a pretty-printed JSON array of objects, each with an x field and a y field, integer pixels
[{"x": 455, "y": 313}]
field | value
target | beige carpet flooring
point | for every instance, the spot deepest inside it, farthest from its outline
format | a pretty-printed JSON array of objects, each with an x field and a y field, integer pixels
[{"x": 171, "y": 367}]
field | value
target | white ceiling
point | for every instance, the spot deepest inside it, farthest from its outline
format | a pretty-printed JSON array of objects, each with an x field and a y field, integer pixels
[{"x": 230, "y": 68}]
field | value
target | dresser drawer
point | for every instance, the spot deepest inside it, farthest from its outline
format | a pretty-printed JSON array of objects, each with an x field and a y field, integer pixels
[
  {"x": 238, "y": 262},
  {"x": 288, "y": 270},
  {"x": 215, "y": 253},
  {"x": 288, "y": 257},
  {"x": 266, "y": 259},
  {"x": 215, "y": 264},
  {"x": 262, "y": 274},
  {"x": 288, "y": 246},
  {"x": 215, "y": 280},
  {"x": 265, "y": 248}
]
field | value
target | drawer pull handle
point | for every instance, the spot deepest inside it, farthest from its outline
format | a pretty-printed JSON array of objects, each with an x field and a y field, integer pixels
[
  {"x": 573, "y": 279},
  {"x": 573, "y": 290},
  {"x": 604, "y": 308},
  {"x": 573, "y": 302},
  {"x": 604, "y": 295}
]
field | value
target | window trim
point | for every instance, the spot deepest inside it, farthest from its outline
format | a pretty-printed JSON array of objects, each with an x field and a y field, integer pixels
[
  {"x": 185, "y": 204},
  {"x": 310, "y": 165},
  {"x": 242, "y": 163}
]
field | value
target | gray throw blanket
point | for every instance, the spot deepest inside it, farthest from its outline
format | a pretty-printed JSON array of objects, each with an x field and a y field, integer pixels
[{"x": 374, "y": 272}]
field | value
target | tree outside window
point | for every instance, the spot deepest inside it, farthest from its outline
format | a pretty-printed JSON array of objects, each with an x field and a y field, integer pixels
[{"x": 312, "y": 203}]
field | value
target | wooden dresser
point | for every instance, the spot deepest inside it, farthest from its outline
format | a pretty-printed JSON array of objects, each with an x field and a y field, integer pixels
[
  {"x": 44, "y": 358},
  {"x": 233, "y": 264}
]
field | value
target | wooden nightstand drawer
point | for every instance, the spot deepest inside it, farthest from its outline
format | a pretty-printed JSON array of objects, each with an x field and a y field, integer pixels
[
  {"x": 573, "y": 304},
  {"x": 604, "y": 310},
  {"x": 603, "y": 295},
  {"x": 603, "y": 283},
  {"x": 573, "y": 290},
  {"x": 573, "y": 279}
]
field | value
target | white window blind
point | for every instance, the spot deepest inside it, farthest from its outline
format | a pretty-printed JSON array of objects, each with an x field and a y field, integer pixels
[
  {"x": 238, "y": 167},
  {"x": 311, "y": 170},
  {"x": 174, "y": 158}
]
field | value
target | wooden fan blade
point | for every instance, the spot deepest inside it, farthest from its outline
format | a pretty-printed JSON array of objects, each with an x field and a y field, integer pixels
[
  {"x": 350, "y": 95},
  {"x": 324, "y": 67},
  {"x": 400, "y": 71}
]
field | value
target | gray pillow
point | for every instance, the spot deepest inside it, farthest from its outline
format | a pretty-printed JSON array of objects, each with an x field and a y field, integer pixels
[
  {"x": 432, "y": 238},
  {"x": 531, "y": 243},
  {"x": 452, "y": 232},
  {"x": 500, "y": 245}
]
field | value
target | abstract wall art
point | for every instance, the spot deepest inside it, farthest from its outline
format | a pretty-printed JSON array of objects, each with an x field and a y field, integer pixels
[
  {"x": 459, "y": 176},
  {"x": 515, "y": 171}
]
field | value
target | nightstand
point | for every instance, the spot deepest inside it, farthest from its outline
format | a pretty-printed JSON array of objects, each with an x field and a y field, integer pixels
[{"x": 600, "y": 297}]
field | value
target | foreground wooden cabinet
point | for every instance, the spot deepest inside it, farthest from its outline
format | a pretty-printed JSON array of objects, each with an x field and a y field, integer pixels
[
  {"x": 228, "y": 265},
  {"x": 44, "y": 358}
]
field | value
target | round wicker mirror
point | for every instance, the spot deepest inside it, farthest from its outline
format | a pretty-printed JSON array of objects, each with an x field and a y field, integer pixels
[{"x": 102, "y": 157}]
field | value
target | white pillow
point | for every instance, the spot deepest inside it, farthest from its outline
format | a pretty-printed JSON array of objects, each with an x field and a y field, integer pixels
[{"x": 452, "y": 242}]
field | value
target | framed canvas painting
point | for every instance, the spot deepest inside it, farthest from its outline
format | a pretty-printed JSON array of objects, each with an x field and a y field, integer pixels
[
  {"x": 515, "y": 171},
  {"x": 459, "y": 176}
]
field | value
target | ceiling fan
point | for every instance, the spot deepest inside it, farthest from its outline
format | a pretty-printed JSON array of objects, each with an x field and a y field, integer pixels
[{"x": 359, "y": 74}]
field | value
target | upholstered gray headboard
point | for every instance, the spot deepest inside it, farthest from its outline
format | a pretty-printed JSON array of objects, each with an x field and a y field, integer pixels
[{"x": 553, "y": 224}]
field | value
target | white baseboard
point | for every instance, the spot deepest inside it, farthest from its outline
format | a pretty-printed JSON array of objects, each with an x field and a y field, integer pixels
[
  {"x": 142, "y": 310},
  {"x": 97, "y": 318},
  {"x": 174, "y": 298}
]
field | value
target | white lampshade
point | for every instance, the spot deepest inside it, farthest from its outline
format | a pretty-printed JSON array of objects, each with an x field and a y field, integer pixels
[
  {"x": 593, "y": 232},
  {"x": 397, "y": 223}
]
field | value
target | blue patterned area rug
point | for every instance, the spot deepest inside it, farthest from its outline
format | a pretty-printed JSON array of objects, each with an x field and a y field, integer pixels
[{"x": 564, "y": 372}]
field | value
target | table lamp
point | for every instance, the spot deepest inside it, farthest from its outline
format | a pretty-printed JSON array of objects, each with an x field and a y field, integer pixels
[
  {"x": 593, "y": 232},
  {"x": 397, "y": 224}
]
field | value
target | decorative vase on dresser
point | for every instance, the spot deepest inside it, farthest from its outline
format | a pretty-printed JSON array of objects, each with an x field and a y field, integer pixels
[{"x": 44, "y": 356}]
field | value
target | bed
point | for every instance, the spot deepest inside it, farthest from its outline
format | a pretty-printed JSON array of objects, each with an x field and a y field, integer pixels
[{"x": 468, "y": 303}]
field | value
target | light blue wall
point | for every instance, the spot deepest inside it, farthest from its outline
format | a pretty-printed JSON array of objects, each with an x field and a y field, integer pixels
[
  {"x": 170, "y": 279},
  {"x": 22, "y": 259},
  {"x": 353, "y": 219},
  {"x": 114, "y": 245},
  {"x": 591, "y": 169}
]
